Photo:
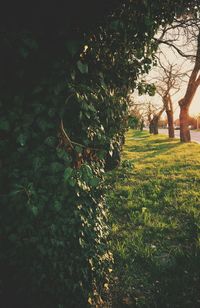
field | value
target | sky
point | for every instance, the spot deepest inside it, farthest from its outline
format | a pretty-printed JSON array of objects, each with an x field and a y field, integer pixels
[
  {"x": 173, "y": 57},
  {"x": 194, "y": 108},
  {"x": 169, "y": 56},
  {"x": 187, "y": 42}
]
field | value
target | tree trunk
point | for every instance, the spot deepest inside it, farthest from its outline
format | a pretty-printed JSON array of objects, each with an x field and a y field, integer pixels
[
  {"x": 185, "y": 102},
  {"x": 155, "y": 125},
  {"x": 170, "y": 120},
  {"x": 142, "y": 125},
  {"x": 184, "y": 127},
  {"x": 151, "y": 127}
]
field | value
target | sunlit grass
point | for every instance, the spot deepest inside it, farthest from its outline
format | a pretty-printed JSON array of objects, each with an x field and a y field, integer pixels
[{"x": 155, "y": 221}]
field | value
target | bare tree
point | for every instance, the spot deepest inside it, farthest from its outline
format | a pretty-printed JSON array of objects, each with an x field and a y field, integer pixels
[
  {"x": 185, "y": 102},
  {"x": 138, "y": 110},
  {"x": 154, "y": 121},
  {"x": 184, "y": 38},
  {"x": 153, "y": 114},
  {"x": 168, "y": 82}
]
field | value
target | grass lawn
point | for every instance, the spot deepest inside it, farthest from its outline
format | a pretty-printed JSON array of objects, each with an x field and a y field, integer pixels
[{"x": 154, "y": 203}]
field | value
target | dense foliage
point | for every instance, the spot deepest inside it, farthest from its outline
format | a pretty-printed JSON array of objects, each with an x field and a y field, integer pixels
[{"x": 64, "y": 116}]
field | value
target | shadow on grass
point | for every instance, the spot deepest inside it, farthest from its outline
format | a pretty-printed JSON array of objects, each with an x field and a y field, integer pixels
[{"x": 153, "y": 148}]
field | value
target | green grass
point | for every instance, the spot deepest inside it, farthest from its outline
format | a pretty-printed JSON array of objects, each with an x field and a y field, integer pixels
[{"x": 154, "y": 203}]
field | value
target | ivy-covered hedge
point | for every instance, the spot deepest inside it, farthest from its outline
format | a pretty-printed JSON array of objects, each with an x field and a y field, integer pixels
[{"x": 56, "y": 131}]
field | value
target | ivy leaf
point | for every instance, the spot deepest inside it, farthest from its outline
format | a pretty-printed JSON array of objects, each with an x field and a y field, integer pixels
[
  {"x": 37, "y": 90},
  {"x": 68, "y": 173},
  {"x": 22, "y": 139},
  {"x": 34, "y": 210},
  {"x": 78, "y": 149},
  {"x": 4, "y": 125},
  {"x": 91, "y": 107},
  {"x": 37, "y": 163},
  {"x": 87, "y": 115},
  {"x": 57, "y": 205},
  {"x": 63, "y": 155},
  {"x": 56, "y": 167},
  {"x": 111, "y": 153},
  {"x": 73, "y": 47},
  {"x": 83, "y": 67},
  {"x": 116, "y": 25},
  {"x": 51, "y": 112},
  {"x": 73, "y": 75},
  {"x": 101, "y": 154},
  {"x": 23, "y": 52},
  {"x": 50, "y": 141},
  {"x": 32, "y": 44},
  {"x": 94, "y": 182}
]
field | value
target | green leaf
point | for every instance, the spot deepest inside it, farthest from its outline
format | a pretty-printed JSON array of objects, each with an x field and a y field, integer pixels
[
  {"x": 94, "y": 182},
  {"x": 34, "y": 210},
  {"x": 4, "y": 125},
  {"x": 51, "y": 112},
  {"x": 32, "y": 44},
  {"x": 37, "y": 90},
  {"x": 78, "y": 149},
  {"x": 101, "y": 154},
  {"x": 116, "y": 25},
  {"x": 57, "y": 205},
  {"x": 22, "y": 139},
  {"x": 23, "y": 52},
  {"x": 87, "y": 115},
  {"x": 73, "y": 47},
  {"x": 73, "y": 75},
  {"x": 62, "y": 154},
  {"x": 91, "y": 107},
  {"x": 111, "y": 153},
  {"x": 68, "y": 173},
  {"x": 37, "y": 163},
  {"x": 56, "y": 167},
  {"x": 51, "y": 141},
  {"x": 83, "y": 67}
]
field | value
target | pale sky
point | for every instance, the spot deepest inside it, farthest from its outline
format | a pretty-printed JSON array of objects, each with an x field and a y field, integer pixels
[
  {"x": 195, "y": 107},
  {"x": 173, "y": 57},
  {"x": 170, "y": 57}
]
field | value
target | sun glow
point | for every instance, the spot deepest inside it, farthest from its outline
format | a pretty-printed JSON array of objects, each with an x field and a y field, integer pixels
[{"x": 195, "y": 106}]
